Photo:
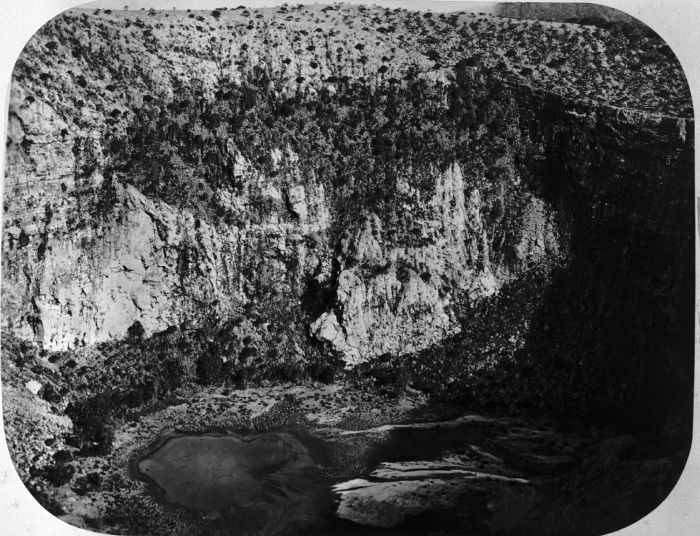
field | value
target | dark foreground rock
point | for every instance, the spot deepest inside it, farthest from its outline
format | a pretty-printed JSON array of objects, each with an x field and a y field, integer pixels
[{"x": 348, "y": 460}]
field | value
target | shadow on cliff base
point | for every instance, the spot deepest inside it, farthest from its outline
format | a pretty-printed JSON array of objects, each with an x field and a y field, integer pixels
[{"x": 613, "y": 339}]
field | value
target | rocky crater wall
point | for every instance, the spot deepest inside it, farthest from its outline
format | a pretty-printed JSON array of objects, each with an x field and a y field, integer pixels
[{"x": 249, "y": 203}]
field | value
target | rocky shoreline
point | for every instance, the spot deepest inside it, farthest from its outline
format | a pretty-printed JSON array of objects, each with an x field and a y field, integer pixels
[{"x": 524, "y": 474}]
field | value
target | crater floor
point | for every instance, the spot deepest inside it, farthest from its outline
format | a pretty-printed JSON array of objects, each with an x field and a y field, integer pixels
[{"x": 344, "y": 459}]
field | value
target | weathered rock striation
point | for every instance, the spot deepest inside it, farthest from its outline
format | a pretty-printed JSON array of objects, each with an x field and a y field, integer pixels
[
  {"x": 539, "y": 180},
  {"x": 71, "y": 281}
]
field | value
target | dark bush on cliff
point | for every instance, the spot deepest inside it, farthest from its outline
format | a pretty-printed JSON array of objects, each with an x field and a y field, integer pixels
[{"x": 358, "y": 141}]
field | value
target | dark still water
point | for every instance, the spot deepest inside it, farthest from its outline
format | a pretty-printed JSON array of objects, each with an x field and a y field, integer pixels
[
  {"x": 473, "y": 476},
  {"x": 292, "y": 482},
  {"x": 258, "y": 484}
]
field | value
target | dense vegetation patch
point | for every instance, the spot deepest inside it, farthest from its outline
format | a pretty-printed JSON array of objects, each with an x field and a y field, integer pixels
[
  {"x": 363, "y": 143},
  {"x": 101, "y": 385},
  {"x": 622, "y": 190}
]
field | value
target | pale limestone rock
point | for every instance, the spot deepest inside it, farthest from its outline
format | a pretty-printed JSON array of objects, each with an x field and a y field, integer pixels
[
  {"x": 401, "y": 489},
  {"x": 33, "y": 386},
  {"x": 150, "y": 263},
  {"x": 241, "y": 166},
  {"x": 398, "y": 299},
  {"x": 297, "y": 202},
  {"x": 327, "y": 328},
  {"x": 390, "y": 299},
  {"x": 538, "y": 237},
  {"x": 387, "y": 504},
  {"x": 271, "y": 192},
  {"x": 50, "y": 159},
  {"x": 276, "y": 157}
]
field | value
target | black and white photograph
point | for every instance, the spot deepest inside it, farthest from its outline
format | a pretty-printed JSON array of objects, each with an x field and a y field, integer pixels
[{"x": 367, "y": 268}]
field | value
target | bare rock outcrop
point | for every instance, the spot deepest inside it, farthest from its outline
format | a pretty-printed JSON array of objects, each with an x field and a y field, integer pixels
[{"x": 398, "y": 298}]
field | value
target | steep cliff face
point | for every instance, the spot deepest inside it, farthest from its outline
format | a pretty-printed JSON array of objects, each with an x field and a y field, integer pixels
[
  {"x": 75, "y": 277},
  {"x": 357, "y": 204},
  {"x": 399, "y": 299},
  {"x": 623, "y": 306}
]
